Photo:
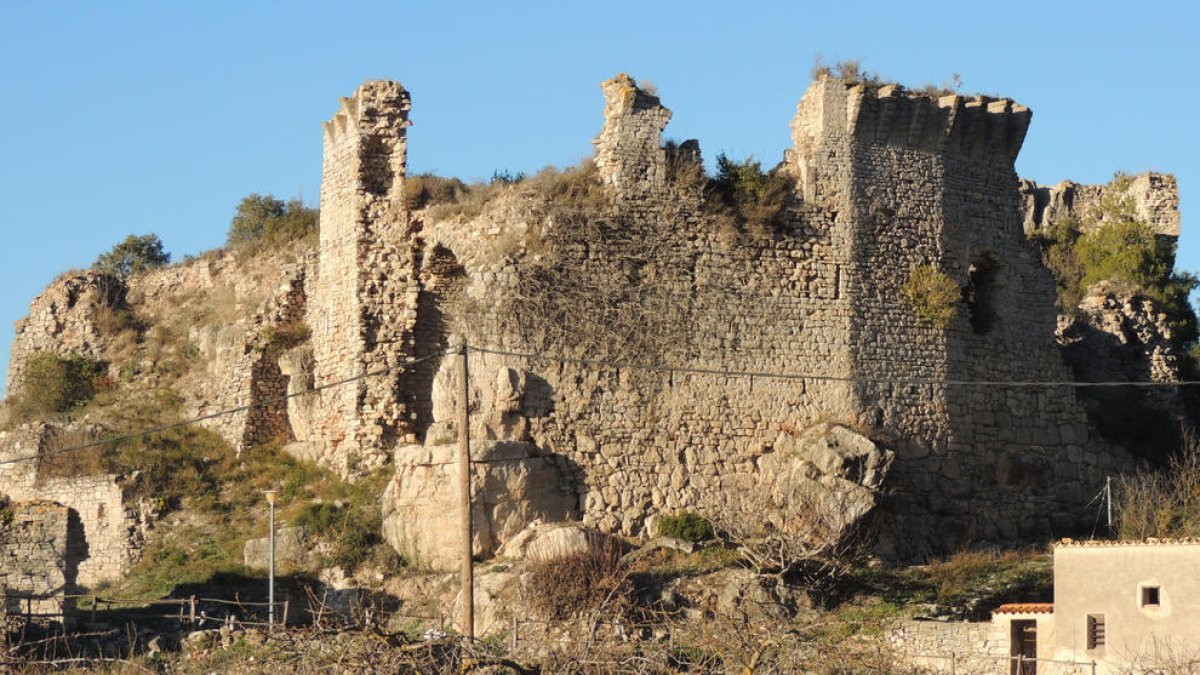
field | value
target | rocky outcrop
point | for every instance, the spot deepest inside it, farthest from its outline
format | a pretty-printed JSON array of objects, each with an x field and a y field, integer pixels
[
  {"x": 1121, "y": 335},
  {"x": 1154, "y": 198},
  {"x": 67, "y": 318},
  {"x": 513, "y": 483},
  {"x": 542, "y": 542},
  {"x": 832, "y": 474}
]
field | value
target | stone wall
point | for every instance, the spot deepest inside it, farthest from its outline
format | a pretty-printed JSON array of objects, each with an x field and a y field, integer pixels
[
  {"x": 363, "y": 305},
  {"x": 977, "y": 647},
  {"x": 111, "y": 524},
  {"x": 40, "y": 546},
  {"x": 886, "y": 180},
  {"x": 628, "y": 151}
]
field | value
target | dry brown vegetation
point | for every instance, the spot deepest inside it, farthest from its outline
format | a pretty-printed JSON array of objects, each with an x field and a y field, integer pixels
[
  {"x": 1161, "y": 502},
  {"x": 593, "y": 581}
]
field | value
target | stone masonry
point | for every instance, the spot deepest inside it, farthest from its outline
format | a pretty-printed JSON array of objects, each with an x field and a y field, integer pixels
[
  {"x": 886, "y": 180},
  {"x": 40, "y": 546},
  {"x": 109, "y": 523},
  {"x": 1154, "y": 196},
  {"x": 363, "y": 305}
]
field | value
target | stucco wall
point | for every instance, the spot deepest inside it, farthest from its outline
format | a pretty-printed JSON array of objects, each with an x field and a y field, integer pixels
[{"x": 1106, "y": 579}]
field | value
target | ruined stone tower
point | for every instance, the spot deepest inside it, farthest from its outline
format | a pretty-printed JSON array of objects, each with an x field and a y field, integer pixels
[
  {"x": 916, "y": 181},
  {"x": 628, "y": 151},
  {"x": 363, "y": 304}
]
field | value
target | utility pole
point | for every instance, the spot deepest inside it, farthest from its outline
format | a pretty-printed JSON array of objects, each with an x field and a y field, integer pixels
[
  {"x": 464, "y": 486},
  {"x": 271, "y": 495}
]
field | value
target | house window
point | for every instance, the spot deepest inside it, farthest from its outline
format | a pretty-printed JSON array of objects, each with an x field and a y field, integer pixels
[
  {"x": 1095, "y": 631},
  {"x": 1150, "y": 596}
]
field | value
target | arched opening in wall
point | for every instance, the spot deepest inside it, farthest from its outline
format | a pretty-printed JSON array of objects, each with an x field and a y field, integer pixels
[
  {"x": 376, "y": 171},
  {"x": 442, "y": 279},
  {"x": 980, "y": 295}
]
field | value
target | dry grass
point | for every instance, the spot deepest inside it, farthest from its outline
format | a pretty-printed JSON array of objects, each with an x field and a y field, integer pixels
[
  {"x": 1164, "y": 502},
  {"x": 581, "y": 584}
]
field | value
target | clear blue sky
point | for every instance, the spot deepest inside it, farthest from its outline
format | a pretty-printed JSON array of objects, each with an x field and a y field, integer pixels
[{"x": 135, "y": 117}]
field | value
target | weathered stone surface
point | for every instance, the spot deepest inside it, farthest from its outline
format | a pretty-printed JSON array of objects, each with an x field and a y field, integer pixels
[
  {"x": 828, "y": 468},
  {"x": 112, "y": 524},
  {"x": 1117, "y": 335},
  {"x": 1154, "y": 197},
  {"x": 495, "y": 601},
  {"x": 291, "y": 550},
  {"x": 40, "y": 548},
  {"x": 547, "y": 541},
  {"x": 510, "y": 487}
]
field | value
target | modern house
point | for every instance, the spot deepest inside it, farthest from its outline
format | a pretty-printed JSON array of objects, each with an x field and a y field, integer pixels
[{"x": 1122, "y": 605}]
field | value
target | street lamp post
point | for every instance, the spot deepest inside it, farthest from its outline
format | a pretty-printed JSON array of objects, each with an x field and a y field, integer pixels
[{"x": 271, "y": 496}]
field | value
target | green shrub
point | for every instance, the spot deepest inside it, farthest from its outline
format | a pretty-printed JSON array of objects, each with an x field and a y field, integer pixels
[
  {"x": 1112, "y": 245},
  {"x": 354, "y": 532},
  {"x": 933, "y": 295},
  {"x": 687, "y": 526},
  {"x": 266, "y": 221},
  {"x": 135, "y": 254},
  {"x": 754, "y": 199},
  {"x": 51, "y": 384}
]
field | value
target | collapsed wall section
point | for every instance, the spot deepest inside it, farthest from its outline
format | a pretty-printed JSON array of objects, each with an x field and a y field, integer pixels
[
  {"x": 110, "y": 524},
  {"x": 363, "y": 306},
  {"x": 1153, "y": 196},
  {"x": 65, "y": 320}
]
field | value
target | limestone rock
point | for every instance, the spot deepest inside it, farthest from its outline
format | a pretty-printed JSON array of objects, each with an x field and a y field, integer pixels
[
  {"x": 548, "y": 541},
  {"x": 291, "y": 550},
  {"x": 828, "y": 468},
  {"x": 494, "y": 601},
  {"x": 510, "y": 486}
]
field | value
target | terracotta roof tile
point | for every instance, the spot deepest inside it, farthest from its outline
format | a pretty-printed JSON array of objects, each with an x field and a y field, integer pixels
[
  {"x": 1149, "y": 541},
  {"x": 1026, "y": 608}
]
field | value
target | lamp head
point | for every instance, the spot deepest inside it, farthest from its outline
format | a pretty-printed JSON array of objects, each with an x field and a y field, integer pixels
[{"x": 271, "y": 496}]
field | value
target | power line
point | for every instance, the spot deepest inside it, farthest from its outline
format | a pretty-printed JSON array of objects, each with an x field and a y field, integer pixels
[
  {"x": 214, "y": 415},
  {"x": 826, "y": 378}
]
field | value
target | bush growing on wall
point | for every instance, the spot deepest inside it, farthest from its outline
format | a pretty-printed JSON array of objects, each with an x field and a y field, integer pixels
[
  {"x": 1111, "y": 244},
  {"x": 752, "y": 197},
  {"x": 933, "y": 295},
  {"x": 52, "y": 384},
  {"x": 687, "y": 526}
]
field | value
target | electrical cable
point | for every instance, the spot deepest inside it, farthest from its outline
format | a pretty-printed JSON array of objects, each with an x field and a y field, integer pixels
[{"x": 210, "y": 416}]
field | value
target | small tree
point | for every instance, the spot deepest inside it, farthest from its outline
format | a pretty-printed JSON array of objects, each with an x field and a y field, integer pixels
[
  {"x": 135, "y": 254},
  {"x": 265, "y": 219}
]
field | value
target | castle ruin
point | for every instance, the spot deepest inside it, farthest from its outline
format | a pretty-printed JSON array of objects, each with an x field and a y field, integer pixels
[{"x": 636, "y": 358}]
